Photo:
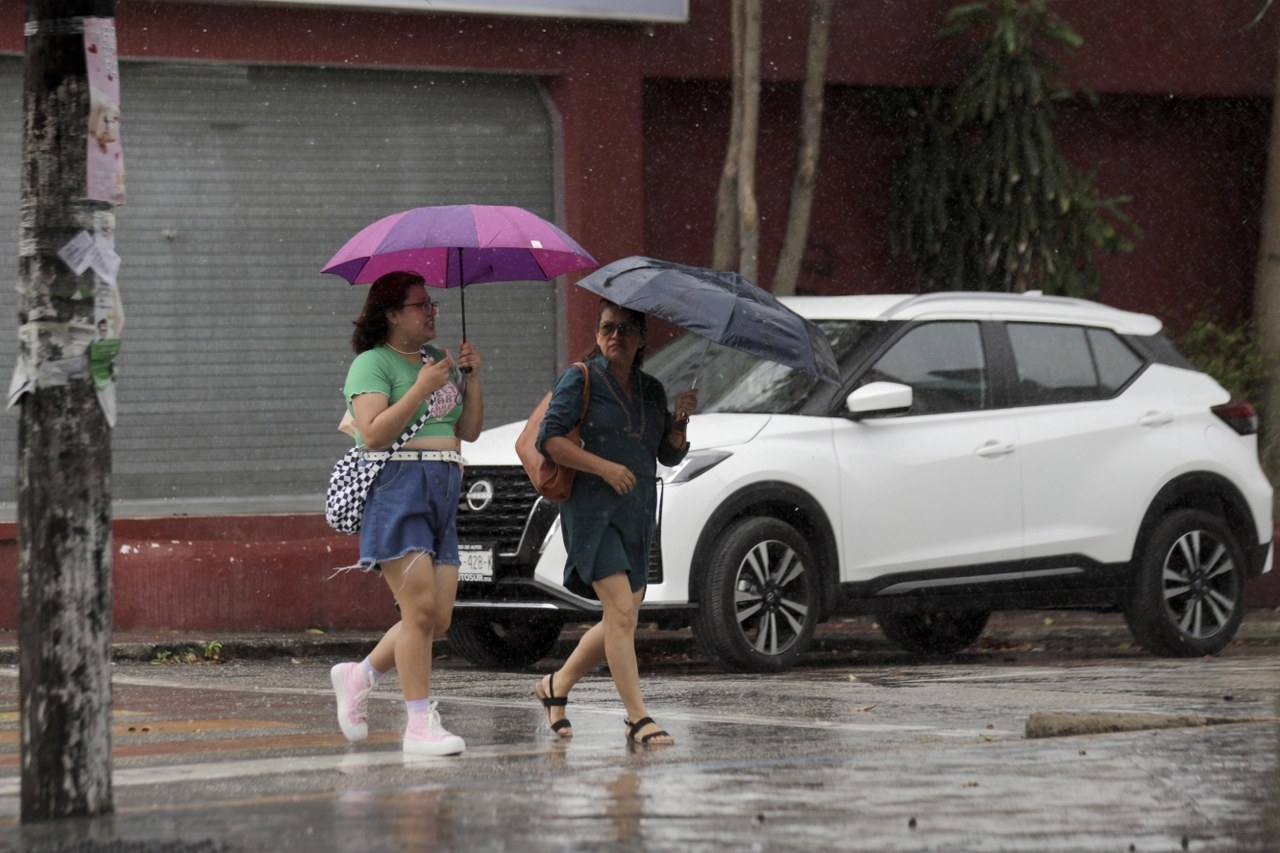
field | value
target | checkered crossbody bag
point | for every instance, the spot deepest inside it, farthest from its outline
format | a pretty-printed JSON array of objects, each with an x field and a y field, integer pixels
[{"x": 351, "y": 480}]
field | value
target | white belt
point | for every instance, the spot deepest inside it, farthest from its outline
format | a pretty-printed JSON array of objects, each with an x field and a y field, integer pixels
[{"x": 415, "y": 456}]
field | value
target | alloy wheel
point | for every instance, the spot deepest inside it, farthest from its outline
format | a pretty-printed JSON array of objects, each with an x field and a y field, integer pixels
[
  {"x": 770, "y": 596},
  {"x": 1198, "y": 584}
]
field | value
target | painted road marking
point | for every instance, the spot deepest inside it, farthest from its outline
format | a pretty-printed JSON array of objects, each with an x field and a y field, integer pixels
[
  {"x": 345, "y": 762},
  {"x": 585, "y": 709}
]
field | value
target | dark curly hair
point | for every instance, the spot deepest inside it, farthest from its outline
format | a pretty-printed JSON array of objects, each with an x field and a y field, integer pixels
[
  {"x": 385, "y": 294},
  {"x": 633, "y": 316}
]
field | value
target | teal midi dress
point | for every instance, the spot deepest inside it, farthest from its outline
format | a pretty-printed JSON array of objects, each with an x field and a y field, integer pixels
[{"x": 605, "y": 532}]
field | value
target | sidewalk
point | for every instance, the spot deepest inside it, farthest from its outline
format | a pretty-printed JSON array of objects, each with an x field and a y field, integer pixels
[{"x": 842, "y": 634}]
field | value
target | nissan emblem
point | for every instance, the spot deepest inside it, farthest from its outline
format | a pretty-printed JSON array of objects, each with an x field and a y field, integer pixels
[{"x": 480, "y": 495}]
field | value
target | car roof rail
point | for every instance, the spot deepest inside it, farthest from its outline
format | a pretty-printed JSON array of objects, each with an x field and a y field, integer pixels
[{"x": 944, "y": 296}]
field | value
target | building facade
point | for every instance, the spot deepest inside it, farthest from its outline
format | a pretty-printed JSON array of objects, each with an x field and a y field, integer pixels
[{"x": 259, "y": 136}]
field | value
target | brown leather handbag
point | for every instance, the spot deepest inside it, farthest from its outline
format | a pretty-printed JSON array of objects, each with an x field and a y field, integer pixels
[{"x": 553, "y": 482}]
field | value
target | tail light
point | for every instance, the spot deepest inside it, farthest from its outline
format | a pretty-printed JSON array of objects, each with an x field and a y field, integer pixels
[{"x": 1239, "y": 415}]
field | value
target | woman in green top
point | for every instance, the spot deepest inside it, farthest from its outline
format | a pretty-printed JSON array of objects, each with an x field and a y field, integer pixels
[
  {"x": 608, "y": 521},
  {"x": 409, "y": 529}
]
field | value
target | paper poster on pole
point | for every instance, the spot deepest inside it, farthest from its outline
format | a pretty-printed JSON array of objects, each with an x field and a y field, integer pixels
[
  {"x": 105, "y": 160},
  {"x": 108, "y": 312},
  {"x": 54, "y": 353},
  {"x": 53, "y": 350}
]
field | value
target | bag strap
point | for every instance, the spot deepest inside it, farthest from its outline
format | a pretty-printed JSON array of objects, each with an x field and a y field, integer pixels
[
  {"x": 586, "y": 391},
  {"x": 410, "y": 431},
  {"x": 406, "y": 435}
]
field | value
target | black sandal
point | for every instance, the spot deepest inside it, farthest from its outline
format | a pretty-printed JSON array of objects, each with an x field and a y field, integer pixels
[
  {"x": 634, "y": 728},
  {"x": 551, "y": 700}
]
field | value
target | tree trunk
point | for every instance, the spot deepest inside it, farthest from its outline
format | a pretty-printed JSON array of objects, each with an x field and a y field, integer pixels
[
  {"x": 805, "y": 180},
  {"x": 64, "y": 466},
  {"x": 1266, "y": 296},
  {"x": 725, "y": 250},
  {"x": 748, "y": 214}
]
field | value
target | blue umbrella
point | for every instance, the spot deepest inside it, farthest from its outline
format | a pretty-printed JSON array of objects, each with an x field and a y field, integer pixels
[{"x": 721, "y": 306}]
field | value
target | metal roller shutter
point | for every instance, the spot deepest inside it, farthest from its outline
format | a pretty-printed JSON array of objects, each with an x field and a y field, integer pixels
[{"x": 242, "y": 181}]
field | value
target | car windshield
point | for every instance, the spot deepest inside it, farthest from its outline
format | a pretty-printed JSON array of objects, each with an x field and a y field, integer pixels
[{"x": 729, "y": 380}]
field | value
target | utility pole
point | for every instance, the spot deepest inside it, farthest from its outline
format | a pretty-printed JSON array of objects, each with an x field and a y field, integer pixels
[{"x": 72, "y": 177}]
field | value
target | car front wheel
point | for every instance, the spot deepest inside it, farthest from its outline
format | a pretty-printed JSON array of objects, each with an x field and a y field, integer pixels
[
  {"x": 934, "y": 632},
  {"x": 511, "y": 643},
  {"x": 1188, "y": 593},
  {"x": 759, "y": 602}
]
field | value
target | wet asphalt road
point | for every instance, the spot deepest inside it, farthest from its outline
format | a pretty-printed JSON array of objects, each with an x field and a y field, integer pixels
[{"x": 860, "y": 748}]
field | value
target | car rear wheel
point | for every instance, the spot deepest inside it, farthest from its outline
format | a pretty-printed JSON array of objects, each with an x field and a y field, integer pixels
[
  {"x": 934, "y": 632},
  {"x": 759, "y": 602},
  {"x": 513, "y": 642},
  {"x": 1188, "y": 593}
]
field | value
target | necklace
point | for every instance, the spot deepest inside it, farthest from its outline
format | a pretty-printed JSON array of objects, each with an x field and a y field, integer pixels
[
  {"x": 402, "y": 352},
  {"x": 623, "y": 404}
]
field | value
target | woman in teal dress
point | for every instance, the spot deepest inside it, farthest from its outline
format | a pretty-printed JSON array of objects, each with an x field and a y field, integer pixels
[{"x": 608, "y": 522}]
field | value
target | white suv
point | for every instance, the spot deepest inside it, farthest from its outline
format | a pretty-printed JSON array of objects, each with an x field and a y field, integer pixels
[{"x": 982, "y": 452}]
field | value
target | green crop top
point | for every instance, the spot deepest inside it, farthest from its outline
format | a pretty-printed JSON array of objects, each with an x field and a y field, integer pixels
[{"x": 381, "y": 371}]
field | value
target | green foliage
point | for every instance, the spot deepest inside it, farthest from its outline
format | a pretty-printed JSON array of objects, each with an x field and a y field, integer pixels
[
  {"x": 212, "y": 653},
  {"x": 1234, "y": 357},
  {"x": 982, "y": 198}
]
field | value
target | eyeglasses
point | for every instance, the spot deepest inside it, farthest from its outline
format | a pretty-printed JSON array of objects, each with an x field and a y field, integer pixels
[
  {"x": 608, "y": 330},
  {"x": 428, "y": 305}
]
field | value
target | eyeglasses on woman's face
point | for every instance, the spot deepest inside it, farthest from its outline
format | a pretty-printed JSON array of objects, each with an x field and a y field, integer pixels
[
  {"x": 426, "y": 305},
  {"x": 608, "y": 330}
]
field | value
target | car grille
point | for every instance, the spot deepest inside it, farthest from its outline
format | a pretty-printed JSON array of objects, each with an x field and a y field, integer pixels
[{"x": 502, "y": 519}]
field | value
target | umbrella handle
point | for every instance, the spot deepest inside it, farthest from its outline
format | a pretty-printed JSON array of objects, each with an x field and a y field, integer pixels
[{"x": 462, "y": 301}]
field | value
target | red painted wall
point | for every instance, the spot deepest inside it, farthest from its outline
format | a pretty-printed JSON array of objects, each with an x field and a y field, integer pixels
[
  {"x": 1193, "y": 167},
  {"x": 848, "y": 249},
  {"x": 228, "y": 573},
  {"x": 1155, "y": 47}
]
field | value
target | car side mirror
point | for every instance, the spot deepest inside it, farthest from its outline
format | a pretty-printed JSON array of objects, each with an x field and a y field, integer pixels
[{"x": 878, "y": 398}]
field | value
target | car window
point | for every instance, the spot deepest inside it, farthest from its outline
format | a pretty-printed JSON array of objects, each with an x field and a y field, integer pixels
[
  {"x": 1159, "y": 349},
  {"x": 1069, "y": 364},
  {"x": 729, "y": 380},
  {"x": 1116, "y": 362},
  {"x": 944, "y": 364}
]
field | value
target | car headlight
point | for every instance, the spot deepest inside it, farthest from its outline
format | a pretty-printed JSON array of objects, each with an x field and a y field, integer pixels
[{"x": 697, "y": 463}]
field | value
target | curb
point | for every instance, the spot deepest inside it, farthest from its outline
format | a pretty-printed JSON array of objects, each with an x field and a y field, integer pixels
[{"x": 841, "y": 635}]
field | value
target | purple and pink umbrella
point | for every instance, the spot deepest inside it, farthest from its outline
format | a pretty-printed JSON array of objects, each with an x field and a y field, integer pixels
[{"x": 460, "y": 244}]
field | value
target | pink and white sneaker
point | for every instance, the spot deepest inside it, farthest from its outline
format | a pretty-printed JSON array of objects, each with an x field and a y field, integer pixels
[
  {"x": 425, "y": 735},
  {"x": 352, "y": 688}
]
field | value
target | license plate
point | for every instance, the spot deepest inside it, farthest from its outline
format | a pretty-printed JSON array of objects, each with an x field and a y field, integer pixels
[{"x": 477, "y": 563}]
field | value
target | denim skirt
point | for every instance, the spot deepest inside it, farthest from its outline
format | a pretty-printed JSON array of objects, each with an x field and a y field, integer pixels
[{"x": 412, "y": 507}]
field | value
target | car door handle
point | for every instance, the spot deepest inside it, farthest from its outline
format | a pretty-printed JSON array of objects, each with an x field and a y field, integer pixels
[
  {"x": 1155, "y": 419},
  {"x": 995, "y": 448}
]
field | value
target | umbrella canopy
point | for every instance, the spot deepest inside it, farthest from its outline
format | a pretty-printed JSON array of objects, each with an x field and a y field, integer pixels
[
  {"x": 721, "y": 306},
  {"x": 460, "y": 244}
]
